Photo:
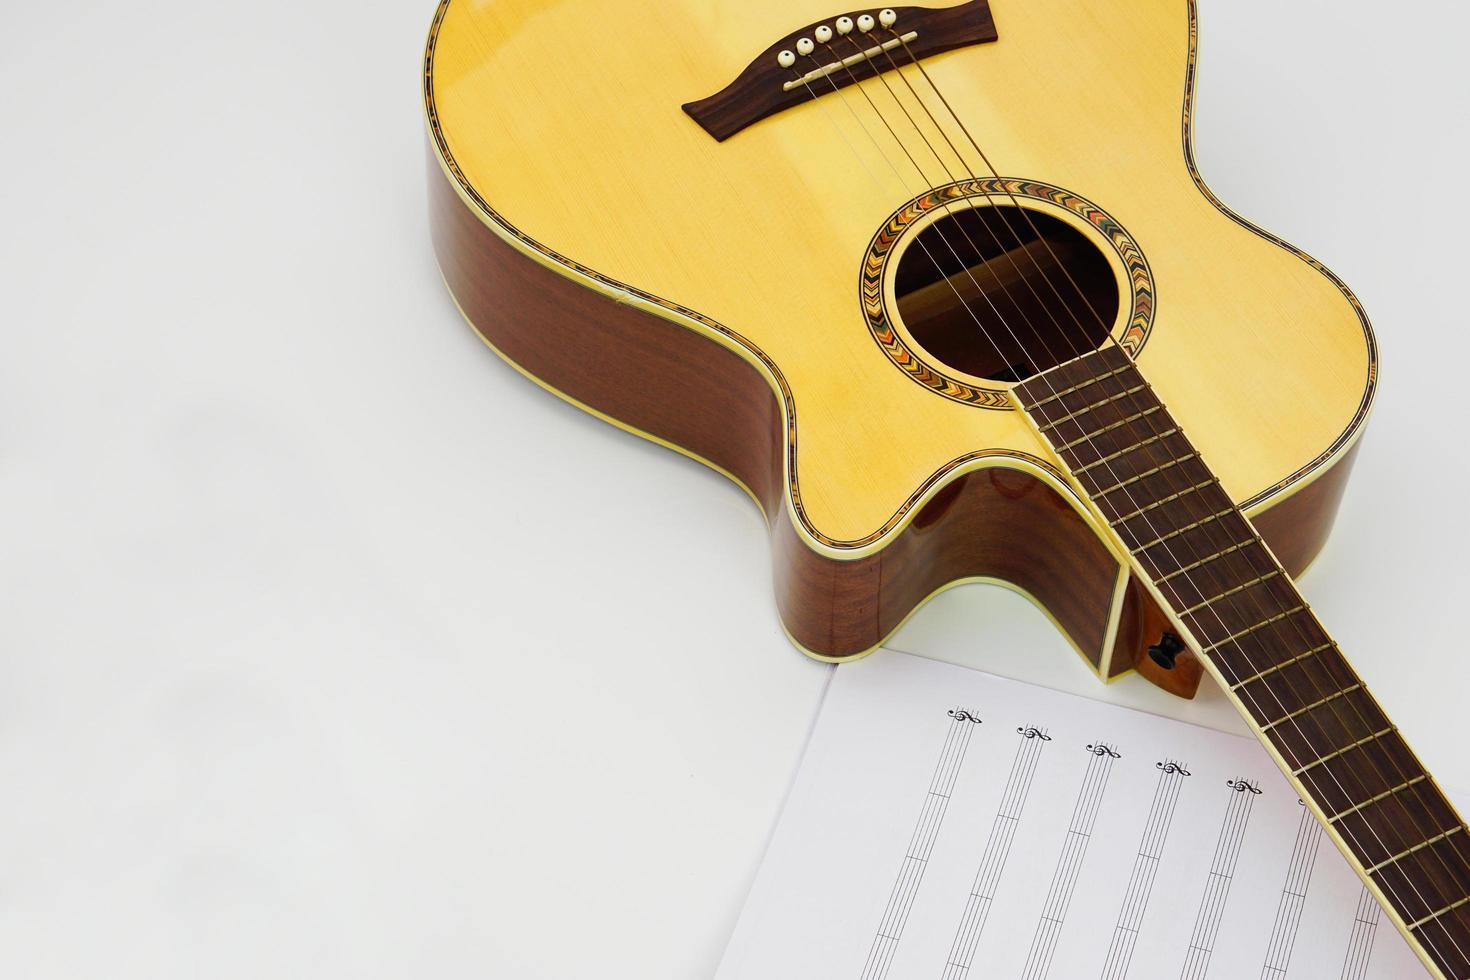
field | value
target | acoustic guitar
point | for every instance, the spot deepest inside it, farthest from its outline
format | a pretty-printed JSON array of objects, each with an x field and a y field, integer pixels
[{"x": 942, "y": 289}]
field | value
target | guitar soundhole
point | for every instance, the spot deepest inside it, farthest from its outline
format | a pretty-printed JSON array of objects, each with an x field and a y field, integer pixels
[{"x": 1002, "y": 294}]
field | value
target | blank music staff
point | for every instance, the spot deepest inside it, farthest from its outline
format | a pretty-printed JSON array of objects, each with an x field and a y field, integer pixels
[
  {"x": 1069, "y": 863},
  {"x": 997, "y": 851},
  {"x": 1207, "y": 920},
  {"x": 921, "y": 843},
  {"x": 1293, "y": 896},
  {"x": 917, "y": 843},
  {"x": 1145, "y": 868},
  {"x": 1360, "y": 940}
]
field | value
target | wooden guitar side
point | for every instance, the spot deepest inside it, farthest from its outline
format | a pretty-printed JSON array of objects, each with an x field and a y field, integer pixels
[{"x": 996, "y": 523}]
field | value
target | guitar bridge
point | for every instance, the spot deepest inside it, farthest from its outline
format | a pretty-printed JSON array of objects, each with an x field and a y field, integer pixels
[
  {"x": 832, "y": 67},
  {"x": 828, "y": 55}
]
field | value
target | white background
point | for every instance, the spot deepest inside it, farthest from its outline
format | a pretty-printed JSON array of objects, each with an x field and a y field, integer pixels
[{"x": 322, "y": 650}]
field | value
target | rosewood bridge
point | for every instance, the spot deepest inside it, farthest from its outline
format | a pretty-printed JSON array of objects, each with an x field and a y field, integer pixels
[{"x": 835, "y": 53}]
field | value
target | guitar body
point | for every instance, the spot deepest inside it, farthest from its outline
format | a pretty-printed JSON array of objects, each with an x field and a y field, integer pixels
[
  {"x": 733, "y": 298},
  {"x": 942, "y": 289}
]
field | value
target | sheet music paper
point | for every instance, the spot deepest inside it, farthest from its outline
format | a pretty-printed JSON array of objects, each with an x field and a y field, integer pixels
[{"x": 949, "y": 824}]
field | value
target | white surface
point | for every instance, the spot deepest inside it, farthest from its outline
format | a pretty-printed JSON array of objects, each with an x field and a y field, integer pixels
[
  {"x": 872, "y": 875},
  {"x": 322, "y": 653}
]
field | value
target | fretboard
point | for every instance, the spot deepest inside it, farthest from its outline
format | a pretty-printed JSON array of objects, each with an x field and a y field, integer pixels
[{"x": 1238, "y": 610}]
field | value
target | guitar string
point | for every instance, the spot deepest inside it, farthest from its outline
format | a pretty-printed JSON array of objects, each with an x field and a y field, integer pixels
[
  {"x": 1168, "y": 477},
  {"x": 914, "y": 60},
  {"x": 1002, "y": 249},
  {"x": 1039, "y": 269},
  {"x": 1414, "y": 820},
  {"x": 999, "y": 212},
  {"x": 1306, "y": 740},
  {"x": 946, "y": 208},
  {"x": 963, "y": 304}
]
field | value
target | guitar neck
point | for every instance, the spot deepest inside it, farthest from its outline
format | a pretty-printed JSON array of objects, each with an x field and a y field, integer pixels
[{"x": 1238, "y": 611}]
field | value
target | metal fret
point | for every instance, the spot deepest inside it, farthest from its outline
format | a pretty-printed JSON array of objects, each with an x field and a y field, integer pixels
[
  {"x": 1077, "y": 360},
  {"x": 1097, "y": 404},
  {"x": 1146, "y": 474},
  {"x": 1167, "y": 500},
  {"x": 1346, "y": 748},
  {"x": 1230, "y": 592},
  {"x": 1434, "y": 915},
  {"x": 1308, "y": 707},
  {"x": 1236, "y": 637},
  {"x": 1206, "y": 560},
  {"x": 1081, "y": 384},
  {"x": 1183, "y": 530},
  {"x": 1417, "y": 847},
  {"x": 1123, "y": 452},
  {"x": 1286, "y": 663},
  {"x": 1109, "y": 428},
  {"x": 1378, "y": 797}
]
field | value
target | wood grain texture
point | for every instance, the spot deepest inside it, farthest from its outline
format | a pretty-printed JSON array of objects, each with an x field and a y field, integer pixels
[{"x": 759, "y": 91}]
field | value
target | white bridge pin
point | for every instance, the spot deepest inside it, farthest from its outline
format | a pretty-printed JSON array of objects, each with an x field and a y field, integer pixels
[
  {"x": 887, "y": 17},
  {"x": 823, "y": 34},
  {"x": 804, "y": 46},
  {"x": 844, "y": 25},
  {"x": 786, "y": 59},
  {"x": 865, "y": 23}
]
